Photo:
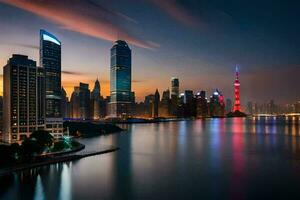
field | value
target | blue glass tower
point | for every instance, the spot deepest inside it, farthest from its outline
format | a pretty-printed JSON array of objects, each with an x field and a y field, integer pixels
[
  {"x": 120, "y": 80},
  {"x": 50, "y": 60}
]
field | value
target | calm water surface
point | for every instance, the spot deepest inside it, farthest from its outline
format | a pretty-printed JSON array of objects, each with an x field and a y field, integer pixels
[{"x": 210, "y": 159}]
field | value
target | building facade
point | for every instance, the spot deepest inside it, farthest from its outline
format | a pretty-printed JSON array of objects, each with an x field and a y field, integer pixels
[
  {"x": 120, "y": 80},
  {"x": 50, "y": 61},
  {"x": 21, "y": 96}
]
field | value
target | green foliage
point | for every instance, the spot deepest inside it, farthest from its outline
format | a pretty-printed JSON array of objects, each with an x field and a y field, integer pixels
[
  {"x": 60, "y": 146},
  {"x": 43, "y": 138},
  {"x": 30, "y": 148}
]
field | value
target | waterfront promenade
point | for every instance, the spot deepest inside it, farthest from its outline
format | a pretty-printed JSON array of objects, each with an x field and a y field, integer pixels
[{"x": 59, "y": 158}]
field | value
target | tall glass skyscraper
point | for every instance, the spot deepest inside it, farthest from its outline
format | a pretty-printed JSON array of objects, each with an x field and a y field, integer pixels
[
  {"x": 120, "y": 80},
  {"x": 50, "y": 60}
]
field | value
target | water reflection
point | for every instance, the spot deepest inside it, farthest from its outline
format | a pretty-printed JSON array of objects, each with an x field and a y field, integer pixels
[{"x": 208, "y": 159}]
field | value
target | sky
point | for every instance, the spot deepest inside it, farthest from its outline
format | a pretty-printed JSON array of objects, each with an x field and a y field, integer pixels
[{"x": 198, "y": 41}]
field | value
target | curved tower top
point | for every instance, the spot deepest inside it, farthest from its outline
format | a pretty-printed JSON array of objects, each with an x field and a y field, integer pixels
[{"x": 46, "y": 36}]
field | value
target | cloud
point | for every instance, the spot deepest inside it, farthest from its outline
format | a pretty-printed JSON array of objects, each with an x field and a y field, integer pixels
[
  {"x": 85, "y": 17},
  {"x": 72, "y": 73},
  {"x": 21, "y": 45},
  {"x": 178, "y": 12}
]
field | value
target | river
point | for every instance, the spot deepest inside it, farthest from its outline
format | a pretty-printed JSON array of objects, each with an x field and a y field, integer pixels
[{"x": 201, "y": 159}]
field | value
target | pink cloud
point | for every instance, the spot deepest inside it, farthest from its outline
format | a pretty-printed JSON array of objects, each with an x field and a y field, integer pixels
[{"x": 83, "y": 17}]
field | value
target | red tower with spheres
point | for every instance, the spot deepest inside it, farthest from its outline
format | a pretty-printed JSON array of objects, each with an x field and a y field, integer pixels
[{"x": 237, "y": 103}]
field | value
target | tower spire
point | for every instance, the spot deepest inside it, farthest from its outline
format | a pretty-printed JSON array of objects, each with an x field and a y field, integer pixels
[{"x": 237, "y": 103}]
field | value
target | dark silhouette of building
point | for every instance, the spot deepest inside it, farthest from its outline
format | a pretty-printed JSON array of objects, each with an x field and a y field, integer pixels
[
  {"x": 217, "y": 105},
  {"x": 155, "y": 112},
  {"x": 202, "y": 107},
  {"x": 120, "y": 80},
  {"x": 50, "y": 60},
  {"x": 65, "y": 106},
  {"x": 21, "y": 95},
  {"x": 75, "y": 104},
  {"x": 164, "y": 110},
  {"x": 96, "y": 101},
  {"x": 84, "y": 101},
  {"x": 174, "y": 96}
]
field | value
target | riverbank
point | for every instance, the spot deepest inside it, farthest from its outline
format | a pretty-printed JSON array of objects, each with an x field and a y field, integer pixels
[{"x": 58, "y": 159}]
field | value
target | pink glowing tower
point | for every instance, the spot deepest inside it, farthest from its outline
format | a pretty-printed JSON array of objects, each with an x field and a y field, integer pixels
[{"x": 237, "y": 103}]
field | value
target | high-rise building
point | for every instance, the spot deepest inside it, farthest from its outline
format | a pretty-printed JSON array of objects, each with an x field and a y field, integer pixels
[
  {"x": 164, "y": 110},
  {"x": 120, "y": 80},
  {"x": 80, "y": 102},
  {"x": 21, "y": 94},
  {"x": 217, "y": 105},
  {"x": 202, "y": 107},
  {"x": 95, "y": 101},
  {"x": 50, "y": 60},
  {"x": 65, "y": 109},
  {"x": 175, "y": 86},
  {"x": 84, "y": 98},
  {"x": 174, "y": 96},
  {"x": 156, "y": 104},
  {"x": 237, "y": 103},
  {"x": 75, "y": 104}
]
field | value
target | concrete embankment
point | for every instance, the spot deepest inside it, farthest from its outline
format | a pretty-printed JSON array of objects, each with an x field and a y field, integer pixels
[{"x": 58, "y": 159}]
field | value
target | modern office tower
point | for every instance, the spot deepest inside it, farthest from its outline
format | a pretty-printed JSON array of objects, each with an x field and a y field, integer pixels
[
  {"x": 84, "y": 98},
  {"x": 75, "y": 104},
  {"x": 95, "y": 101},
  {"x": 189, "y": 104},
  {"x": 228, "y": 106},
  {"x": 156, "y": 104},
  {"x": 174, "y": 95},
  {"x": 164, "y": 108},
  {"x": 216, "y": 105},
  {"x": 175, "y": 86},
  {"x": 120, "y": 80},
  {"x": 237, "y": 103},
  {"x": 50, "y": 60},
  {"x": 149, "y": 105},
  {"x": 202, "y": 107},
  {"x": 20, "y": 99},
  {"x": 65, "y": 109}
]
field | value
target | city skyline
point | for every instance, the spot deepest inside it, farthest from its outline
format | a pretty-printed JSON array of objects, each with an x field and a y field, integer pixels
[{"x": 197, "y": 63}]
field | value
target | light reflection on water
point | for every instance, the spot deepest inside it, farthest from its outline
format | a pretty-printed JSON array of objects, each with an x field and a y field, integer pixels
[{"x": 209, "y": 159}]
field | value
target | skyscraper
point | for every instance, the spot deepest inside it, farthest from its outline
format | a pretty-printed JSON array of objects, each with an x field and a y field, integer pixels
[
  {"x": 175, "y": 87},
  {"x": 237, "y": 103},
  {"x": 202, "y": 107},
  {"x": 156, "y": 104},
  {"x": 95, "y": 100},
  {"x": 75, "y": 103},
  {"x": 174, "y": 96},
  {"x": 84, "y": 99},
  {"x": 21, "y": 97},
  {"x": 120, "y": 80},
  {"x": 50, "y": 60},
  {"x": 164, "y": 109}
]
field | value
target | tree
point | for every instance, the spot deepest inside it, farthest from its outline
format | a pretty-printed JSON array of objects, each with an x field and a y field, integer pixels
[
  {"x": 30, "y": 148},
  {"x": 43, "y": 138}
]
